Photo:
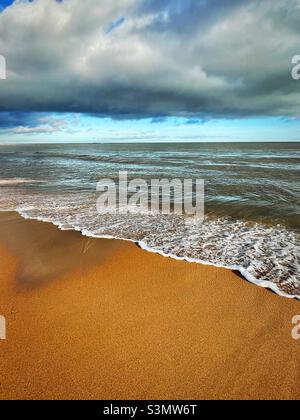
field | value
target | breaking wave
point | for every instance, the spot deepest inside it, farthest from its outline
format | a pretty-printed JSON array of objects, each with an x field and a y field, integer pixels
[{"x": 268, "y": 256}]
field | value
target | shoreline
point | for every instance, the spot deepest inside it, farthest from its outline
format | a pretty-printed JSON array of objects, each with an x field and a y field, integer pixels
[
  {"x": 102, "y": 319},
  {"x": 267, "y": 285}
]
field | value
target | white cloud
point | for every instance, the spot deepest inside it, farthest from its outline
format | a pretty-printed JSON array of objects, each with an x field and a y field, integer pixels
[{"x": 60, "y": 57}]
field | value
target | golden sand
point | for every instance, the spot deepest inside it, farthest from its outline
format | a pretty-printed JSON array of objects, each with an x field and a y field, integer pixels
[{"x": 102, "y": 319}]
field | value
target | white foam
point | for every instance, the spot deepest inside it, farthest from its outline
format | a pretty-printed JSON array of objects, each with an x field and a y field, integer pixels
[
  {"x": 267, "y": 256},
  {"x": 17, "y": 181}
]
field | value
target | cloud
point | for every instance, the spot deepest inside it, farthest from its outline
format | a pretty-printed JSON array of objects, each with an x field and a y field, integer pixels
[
  {"x": 41, "y": 129},
  {"x": 158, "y": 120},
  {"x": 32, "y": 123},
  {"x": 193, "y": 121},
  {"x": 196, "y": 59},
  {"x": 12, "y": 119}
]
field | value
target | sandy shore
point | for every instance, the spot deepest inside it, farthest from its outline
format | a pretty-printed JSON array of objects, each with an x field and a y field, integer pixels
[{"x": 101, "y": 319}]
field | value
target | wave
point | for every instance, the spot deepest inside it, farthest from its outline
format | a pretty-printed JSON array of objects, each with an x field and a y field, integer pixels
[
  {"x": 268, "y": 256},
  {"x": 289, "y": 162},
  {"x": 17, "y": 181},
  {"x": 283, "y": 271}
]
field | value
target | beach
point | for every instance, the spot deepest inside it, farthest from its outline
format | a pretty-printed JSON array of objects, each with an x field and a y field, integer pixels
[
  {"x": 251, "y": 212},
  {"x": 102, "y": 319}
]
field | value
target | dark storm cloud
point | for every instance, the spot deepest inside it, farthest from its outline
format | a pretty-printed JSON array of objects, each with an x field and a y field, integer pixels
[
  {"x": 148, "y": 58},
  {"x": 12, "y": 119},
  {"x": 19, "y": 122}
]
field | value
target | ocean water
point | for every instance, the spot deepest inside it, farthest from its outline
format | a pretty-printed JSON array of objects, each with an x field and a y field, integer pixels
[{"x": 252, "y": 192}]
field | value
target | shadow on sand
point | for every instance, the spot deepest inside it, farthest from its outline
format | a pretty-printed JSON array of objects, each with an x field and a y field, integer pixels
[{"x": 45, "y": 253}]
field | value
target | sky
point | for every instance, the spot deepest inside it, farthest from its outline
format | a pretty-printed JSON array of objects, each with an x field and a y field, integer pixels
[{"x": 149, "y": 70}]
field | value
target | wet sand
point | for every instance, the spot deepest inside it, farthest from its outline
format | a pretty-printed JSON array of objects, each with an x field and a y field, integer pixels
[{"x": 102, "y": 319}]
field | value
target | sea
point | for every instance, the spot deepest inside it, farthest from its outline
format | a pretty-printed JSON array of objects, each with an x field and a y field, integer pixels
[{"x": 252, "y": 191}]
